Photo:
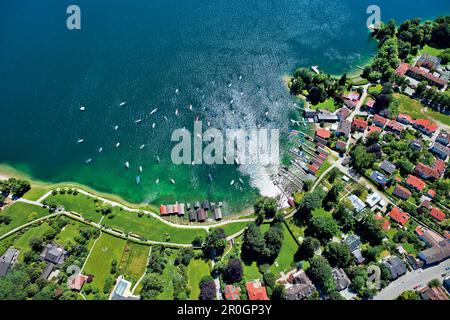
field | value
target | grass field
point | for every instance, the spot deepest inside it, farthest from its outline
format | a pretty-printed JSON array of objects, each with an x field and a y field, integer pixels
[
  {"x": 68, "y": 233},
  {"x": 35, "y": 231},
  {"x": 106, "y": 249},
  {"x": 79, "y": 203},
  {"x": 251, "y": 272},
  {"x": 167, "y": 276},
  {"x": 21, "y": 213},
  {"x": 36, "y": 192},
  {"x": 134, "y": 261},
  {"x": 416, "y": 110},
  {"x": 285, "y": 259},
  {"x": 151, "y": 228},
  {"x": 233, "y": 228},
  {"x": 326, "y": 105},
  {"x": 197, "y": 269}
]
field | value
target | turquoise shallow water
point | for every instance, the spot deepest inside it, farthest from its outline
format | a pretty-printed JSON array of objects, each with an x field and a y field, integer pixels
[{"x": 141, "y": 52}]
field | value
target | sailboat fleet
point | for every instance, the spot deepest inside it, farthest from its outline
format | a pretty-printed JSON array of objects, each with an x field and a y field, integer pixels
[{"x": 153, "y": 111}]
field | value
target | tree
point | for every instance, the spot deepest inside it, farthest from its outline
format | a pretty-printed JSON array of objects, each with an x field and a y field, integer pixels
[
  {"x": 409, "y": 295},
  {"x": 233, "y": 271},
  {"x": 2, "y": 199},
  {"x": 18, "y": 187},
  {"x": 198, "y": 241},
  {"x": 334, "y": 295},
  {"x": 338, "y": 254},
  {"x": 269, "y": 279},
  {"x": 361, "y": 159},
  {"x": 308, "y": 203},
  {"x": 207, "y": 288},
  {"x": 320, "y": 271},
  {"x": 370, "y": 231},
  {"x": 253, "y": 246},
  {"x": 152, "y": 286},
  {"x": 307, "y": 249},
  {"x": 278, "y": 293},
  {"x": 434, "y": 283},
  {"x": 36, "y": 244},
  {"x": 322, "y": 227},
  {"x": 274, "y": 239},
  {"x": 331, "y": 200},
  {"x": 345, "y": 218},
  {"x": 265, "y": 208},
  {"x": 215, "y": 243},
  {"x": 184, "y": 256}
]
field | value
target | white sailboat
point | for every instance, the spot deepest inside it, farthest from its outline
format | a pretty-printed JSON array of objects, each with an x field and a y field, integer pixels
[
  {"x": 229, "y": 86},
  {"x": 138, "y": 121},
  {"x": 80, "y": 141},
  {"x": 176, "y": 91},
  {"x": 241, "y": 181},
  {"x": 88, "y": 160},
  {"x": 173, "y": 181},
  {"x": 240, "y": 77},
  {"x": 127, "y": 165},
  {"x": 190, "y": 107},
  {"x": 153, "y": 125},
  {"x": 176, "y": 112},
  {"x": 116, "y": 127},
  {"x": 140, "y": 169},
  {"x": 157, "y": 159},
  {"x": 122, "y": 104},
  {"x": 117, "y": 144},
  {"x": 231, "y": 101},
  {"x": 100, "y": 149},
  {"x": 232, "y": 182},
  {"x": 165, "y": 118},
  {"x": 157, "y": 181},
  {"x": 142, "y": 147},
  {"x": 153, "y": 111},
  {"x": 82, "y": 108}
]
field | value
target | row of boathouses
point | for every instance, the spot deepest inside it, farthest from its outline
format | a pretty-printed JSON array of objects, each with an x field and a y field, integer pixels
[{"x": 196, "y": 212}]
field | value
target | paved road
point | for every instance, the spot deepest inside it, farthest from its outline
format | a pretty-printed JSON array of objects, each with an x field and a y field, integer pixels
[{"x": 411, "y": 279}]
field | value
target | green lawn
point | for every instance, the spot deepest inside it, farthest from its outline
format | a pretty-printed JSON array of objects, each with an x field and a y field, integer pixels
[
  {"x": 151, "y": 228},
  {"x": 326, "y": 105},
  {"x": 68, "y": 233},
  {"x": 375, "y": 89},
  {"x": 36, "y": 192},
  {"x": 80, "y": 203},
  {"x": 197, "y": 269},
  {"x": 35, "y": 231},
  {"x": 416, "y": 110},
  {"x": 251, "y": 272},
  {"x": 134, "y": 261},
  {"x": 285, "y": 259},
  {"x": 106, "y": 249},
  {"x": 167, "y": 276},
  {"x": 233, "y": 228},
  {"x": 21, "y": 213}
]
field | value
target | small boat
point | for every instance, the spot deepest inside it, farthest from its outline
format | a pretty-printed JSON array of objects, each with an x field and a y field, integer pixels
[
  {"x": 82, "y": 108},
  {"x": 315, "y": 69},
  {"x": 153, "y": 111},
  {"x": 173, "y": 181},
  {"x": 138, "y": 179},
  {"x": 267, "y": 113},
  {"x": 153, "y": 125},
  {"x": 122, "y": 104},
  {"x": 237, "y": 161},
  {"x": 197, "y": 119},
  {"x": 198, "y": 135},
  {"x": 210, "y": 177},
  {"x": 142, "y": 147},
  {"x": 229, "y": 86},
  {"x": 138, "y": 121},
  {"x": 176, "y": 112},
  {"x": 232, "y": 182},
  {"x": 140, "y": 169},
  {"x": 176, "y": 91},
  {"x": 127, "y": 164},
  {"x": 100, "y": 149},
  {"x": 242, "y": 93},
  {"x": 241, "y": 181},
  {"x": 157, "y": 181},
  {"x": 190, "y": 107},
  {"x": 88, "y": 160},
  {"x": 116, "y": 127},
  {"x": 193, "y": 163},
  {"x": 240, "y": 77},
  {"x": 224, "y": 160},
  {"x": 80, "y": 141},
  {"x": 117, "y": 144},
  {"x": 165, "y": 118},
  {"x": 231, "y": 101},
  {"x": 157, "y": 159}
]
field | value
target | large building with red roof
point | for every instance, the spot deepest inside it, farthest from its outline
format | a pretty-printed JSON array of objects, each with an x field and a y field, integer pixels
[
  {"x": 380, "y": 121},
  {"x": 427, "y": 172},
  {"x": 404, "y": 118},
  {"x": 425, "y": 126},
  {"x": 323, "y": 133},
  {"x": 420, "y": 74},
  {"x": 402, "y": 192},
  {"x": 256, "y": 291},
  {"x": 415, "y": 183},
  {"x": 437, "y": 214},
  {"x": 359, "y": 124},
  {"x": 399, "y": 216}
]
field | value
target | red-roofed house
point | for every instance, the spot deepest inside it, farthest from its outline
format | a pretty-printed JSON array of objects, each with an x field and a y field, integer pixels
[
  {"x": 163, "y": 210},
  {"x": 231, "y": 292},
  {"x": 415, "y": 183},
  {"x": 77, "y": 282},
  {"x": 373, "y": 129},
  {"x": 425, "y": 126},
  {"x": 380, "y": 121},
  {"x": 426, "y": 204},
  {"x": 402, "y": 68},
  {"x": 369, "y": 103},
  {"x": 323, "y": 133},
  {"x": 385, "y": 224},
  {"x": 402, "y": 193},
  {"x": 427, "y": 172},
  {"x": 399, "y": 216},
  {"x": 419, "y": 231},
  {"x": 395, "y": 126},
  {"x": 312, "y": 169},
  {"x": 431, "y": 193},
  {"x": 359, "y": 124},
  {"x": 420, "y": 74},
  {"x": 437, "y": 214},
  {"x": 341, "y": 145},
  {"x": 256, "y": 291},
  {"x": 404, "y": 118}
]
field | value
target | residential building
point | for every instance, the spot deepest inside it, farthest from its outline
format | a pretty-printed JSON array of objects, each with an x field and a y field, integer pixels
[
  {"x": 370, "y": 103},
  {"x": 413, "y": 262},
  {"x": 439, "y": 248},
  {"x": 388, "y": 167},
  {"x": 396, "y": 266},
  {"x": 341, "y": 145},
  {"x": 359, "y": 124},
  {"x": 430, "y": 172},
  {"x": 231, "y": 292},
  {"x": 76, "y": 283},
  {"x": 437, "y": 214},
  {"x": 425, "y": 126},
  {"x": 379, "y": 178},
  {"x": 298, "y": 286},
  {"x": 357, "y": 254},
  {"x": 55, "y": 256},
  {"x": 357, "y": 203},
  {"x": 416, "y": 144},
  {"x": 385, "y": 224},
  {"x": 217, "y": 213},
  {"x": 443, "y": 138},
  {"x": 373, "y": 199},
  {"x": 374, "y": 129},
  {"x": 256, "y": 291},
  {"x": 192, "y": 215},
  {"x": 323, "y": 133},
  {"x": 380, "y": 121},
  {"x": 343, "y": 113},
  {"x": 399, "y": 216},
  {"x": 395, "y": 126},
  {"x": 435, "y": 293},
  {"x": 344, "y": 128},
  {"x": 428, "y": 61},
  {"x": 353, "y": 242},
  {"x": 405, "y": 119},
  {"x": 415, "y": 183},
  {"x": 421, "y": 74},
  {"x": 341, "y": 279},
  {"x": 402, "y": 192},
  {"x": 7, "y": 260},
  {"x": 440, "y": 150}
]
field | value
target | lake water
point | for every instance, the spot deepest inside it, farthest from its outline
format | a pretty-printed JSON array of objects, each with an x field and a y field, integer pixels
[{"x": 141, "y": 52}]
